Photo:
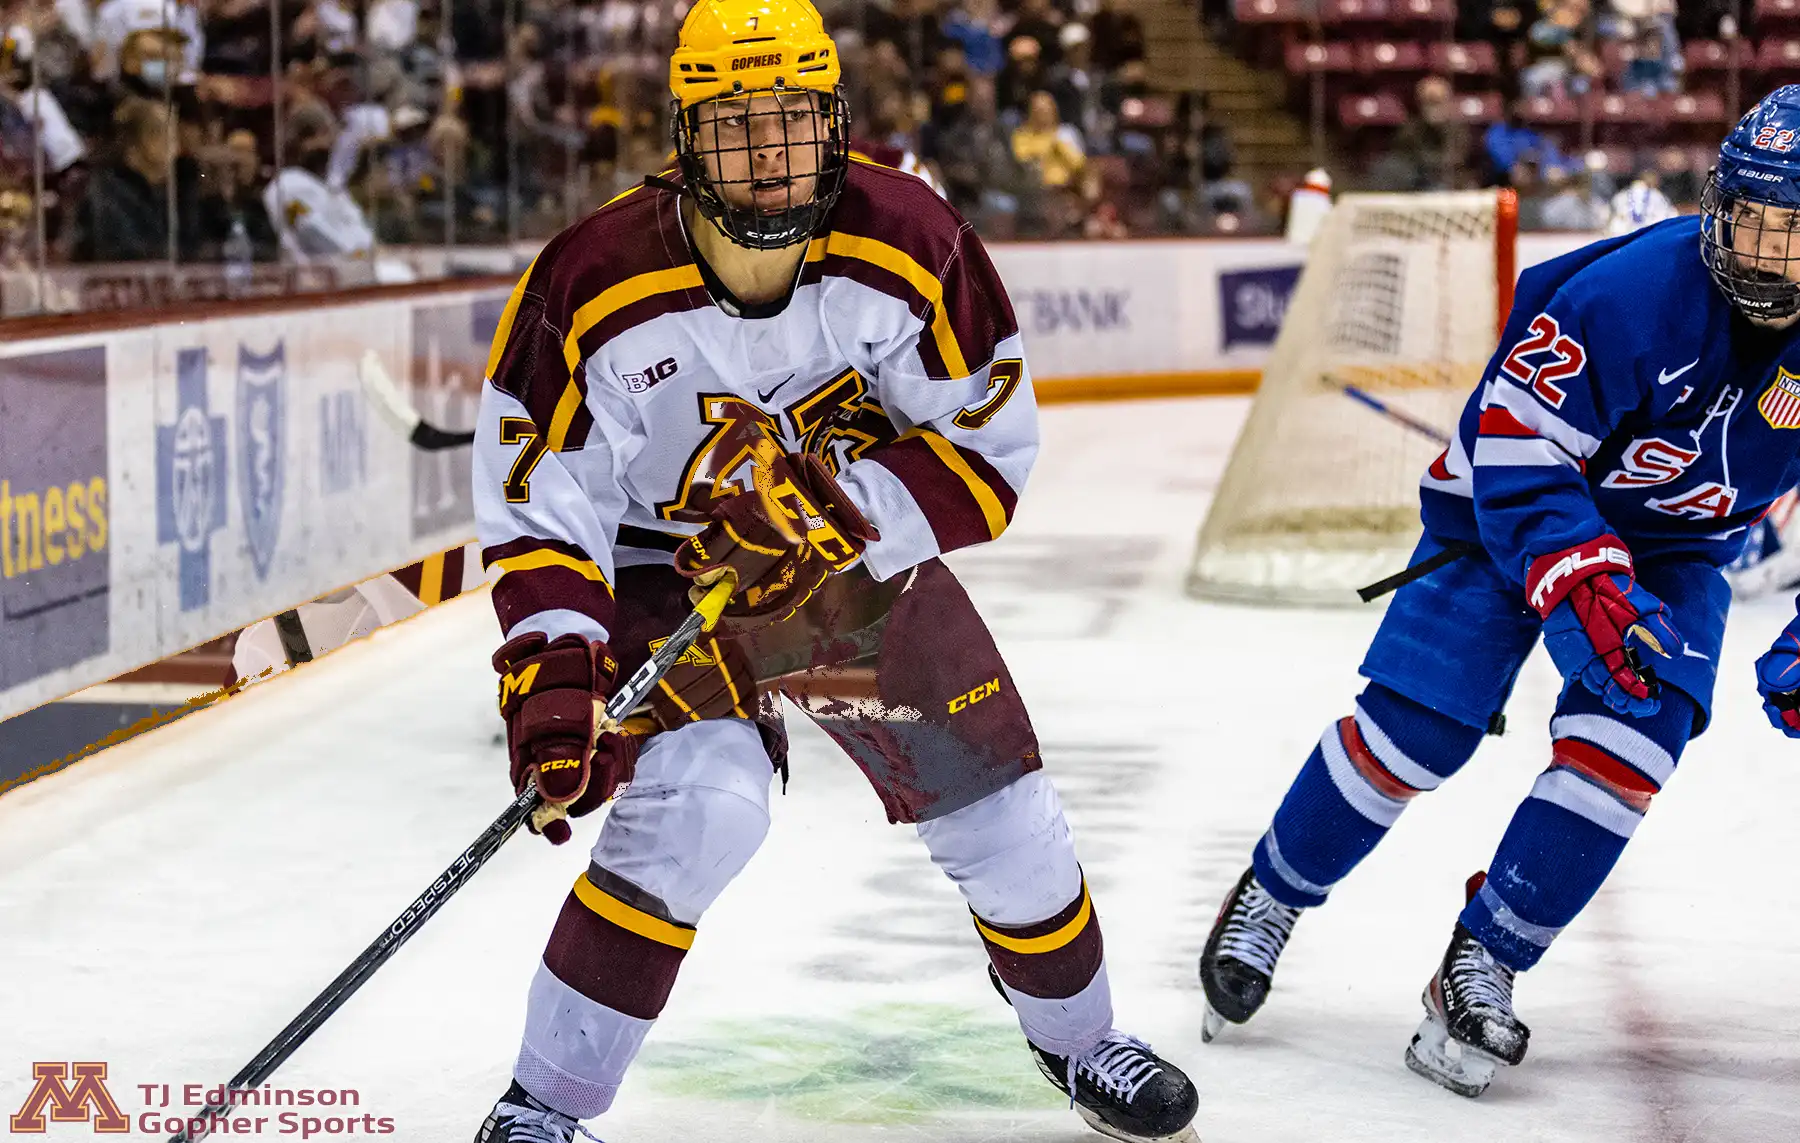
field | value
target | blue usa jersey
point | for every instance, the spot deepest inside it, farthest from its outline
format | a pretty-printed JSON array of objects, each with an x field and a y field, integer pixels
[{"x": 1626, "y": 396}]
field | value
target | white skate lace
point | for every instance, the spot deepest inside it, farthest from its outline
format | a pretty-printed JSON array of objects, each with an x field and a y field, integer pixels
[
  {"x": 1119, "y": 1065},
  {"x": 525, "y": 1124},
  {"x": 1482, "y": 981},
  {"x": 1258, "y": 929}
]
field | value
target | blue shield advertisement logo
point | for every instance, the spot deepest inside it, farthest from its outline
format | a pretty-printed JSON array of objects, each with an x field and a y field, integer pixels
[{"x": 261, "y": 440}]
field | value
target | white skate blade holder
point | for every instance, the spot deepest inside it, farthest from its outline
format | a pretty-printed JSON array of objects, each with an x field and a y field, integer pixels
[
  {"x": 1185, "y": 1135},
  {"x": 1211, "y": 1025},
  {"x": 1450, "y": 1063}
]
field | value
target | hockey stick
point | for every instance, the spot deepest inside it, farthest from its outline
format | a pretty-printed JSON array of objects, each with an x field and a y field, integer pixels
[
  {"x": 622, "y": 703},
  {"x": 1406, "y": 420},
  {"x": 398, "y": 411}
]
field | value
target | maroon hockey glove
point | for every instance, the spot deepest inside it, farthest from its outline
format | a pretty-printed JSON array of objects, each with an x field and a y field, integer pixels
[
  {"x": 1599, "y": 623},
  {"x": 550, "y": 691},
  {"x": 782, "y": 539}
]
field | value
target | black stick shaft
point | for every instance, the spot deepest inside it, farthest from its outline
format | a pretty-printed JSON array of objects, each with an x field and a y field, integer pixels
[{"x": 622, "y": 703}]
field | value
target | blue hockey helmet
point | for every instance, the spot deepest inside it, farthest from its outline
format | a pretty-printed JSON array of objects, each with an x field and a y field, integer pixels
[{"x": 1754, "y": 261}]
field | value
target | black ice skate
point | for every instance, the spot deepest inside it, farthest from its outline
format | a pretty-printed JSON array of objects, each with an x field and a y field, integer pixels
[
  {"x": 1239, "y": 961},
  {"x": 1469, "y": 1027},
  {"x": 1123, "y": 1089},
  {"x": 520, "y": 1118}
]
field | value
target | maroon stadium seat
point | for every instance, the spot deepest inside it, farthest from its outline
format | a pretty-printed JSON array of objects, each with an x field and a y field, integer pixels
[
  {"x": 1303, "y": 59},
  {"x": 1620, "y": 160},
  {"x": 1551, "y": 109},
  {"x": 1462, "y": 59},
  {"x": 1696, "y": 107},
  {"x": 1613, "y": 57},
  {"x": 1390, "y": 55},
  {"x": 1715, "y": 55},
  {"x": 1477, "y": 108},
  {"x": 1270, "y": 11},
  {"x": 1617, "y": 107},
  {"x": 1383, "y": 109},
  {"x": 1776, "y": 12},
  {"x": 1387, "y": 11},
  {"x": 1777, "y": 54}
]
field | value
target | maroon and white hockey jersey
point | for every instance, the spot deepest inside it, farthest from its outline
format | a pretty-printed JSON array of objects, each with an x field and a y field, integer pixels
[{"x": 624, "y": 387}]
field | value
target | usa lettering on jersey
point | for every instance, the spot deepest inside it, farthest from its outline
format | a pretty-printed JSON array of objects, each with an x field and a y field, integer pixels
[{"x": 1648, "y": 462}]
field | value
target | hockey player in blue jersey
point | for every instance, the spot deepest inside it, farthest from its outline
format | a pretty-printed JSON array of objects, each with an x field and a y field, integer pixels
[{"x": 1641, "y": 413}]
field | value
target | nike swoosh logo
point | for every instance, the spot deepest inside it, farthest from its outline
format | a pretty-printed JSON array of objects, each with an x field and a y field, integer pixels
[
  {"x": 762, "y": 396},
  {"x": 1664, "y": 376},
  {"x": 1690, "y": 653}
]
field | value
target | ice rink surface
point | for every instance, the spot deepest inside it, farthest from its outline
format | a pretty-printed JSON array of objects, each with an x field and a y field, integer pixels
[{"x": 168, "y": 906}]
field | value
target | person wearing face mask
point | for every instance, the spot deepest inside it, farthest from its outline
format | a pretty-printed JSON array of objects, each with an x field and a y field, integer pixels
[
  {"x": 170, "y": 56},
  {"x": 316, "y": 219}
]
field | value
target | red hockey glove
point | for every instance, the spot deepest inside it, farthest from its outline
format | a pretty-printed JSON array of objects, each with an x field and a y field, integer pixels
[
  {"x": 1598, "y": 622},
  {"x": 549, "y": 693},
  {"x": 782, "y": 539}
]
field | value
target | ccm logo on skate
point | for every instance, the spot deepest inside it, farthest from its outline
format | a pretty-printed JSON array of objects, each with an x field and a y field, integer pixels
[
  {"x": 991, "y": 687},
  {"x": 519, "y": 684},
  {"x": 74, "y": 1093}
]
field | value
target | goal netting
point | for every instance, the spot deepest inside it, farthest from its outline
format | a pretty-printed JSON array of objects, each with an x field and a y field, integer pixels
[{"x": 1394, "y": 317}]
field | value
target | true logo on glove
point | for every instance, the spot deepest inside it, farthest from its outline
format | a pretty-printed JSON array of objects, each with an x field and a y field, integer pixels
[{"x": 1575, "y": 562}]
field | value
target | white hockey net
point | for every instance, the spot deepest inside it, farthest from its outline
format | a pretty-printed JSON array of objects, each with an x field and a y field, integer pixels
[{"x": 1399, "y": 306}]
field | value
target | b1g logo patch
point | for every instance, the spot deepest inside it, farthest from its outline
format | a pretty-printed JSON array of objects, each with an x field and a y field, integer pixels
[
  {"x": 649, "y": 378},
  {"x": 1774, "y": 139},
  {"x": 1780, "y": 402}
]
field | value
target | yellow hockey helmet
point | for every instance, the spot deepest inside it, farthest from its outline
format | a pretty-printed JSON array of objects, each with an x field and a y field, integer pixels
[
  {"x": 739, "y": 50},
  {"x": 731, "y": 47}
]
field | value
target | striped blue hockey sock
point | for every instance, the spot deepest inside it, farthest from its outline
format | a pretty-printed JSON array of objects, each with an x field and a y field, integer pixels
[
  {"x": 1571, "y": 829},
  {"x": 1352, "y": 789}
]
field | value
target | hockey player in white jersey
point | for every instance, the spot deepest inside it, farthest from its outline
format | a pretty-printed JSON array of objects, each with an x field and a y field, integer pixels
[{"x": 785, "y": 364}]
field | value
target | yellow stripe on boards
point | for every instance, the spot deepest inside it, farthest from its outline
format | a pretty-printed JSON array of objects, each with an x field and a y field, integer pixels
[
  {"x": 1048, "y": 943},
  {"x": 546, "y": 558},
  {"x": 991, "y": 508},
  {"x": 431, "y": 580},
  {"x": 898, "y": 262},
  {"x": 632, "y": 920}
]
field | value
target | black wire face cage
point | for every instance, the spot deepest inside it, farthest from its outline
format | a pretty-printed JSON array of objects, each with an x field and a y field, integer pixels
[
  {"x": 721, "y": 135},
  {"x": 1756, "y": 281}
]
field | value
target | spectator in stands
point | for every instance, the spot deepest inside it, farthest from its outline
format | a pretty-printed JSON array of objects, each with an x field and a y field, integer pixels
[
  {"x": 231, "y": 200},
  {"x": 1560, "y": 62},
  {"x": 1509, "y": 142},
  {"x": 1639, "y": 205},
  {"x": 1656, "y": 64},
  {"x": 1075, "y": 84},
  {"x": 1567, "y": 204},
  {"x": 1022, "y": 75},
  {"x": 176, "y": 21},
  {"x": 1678, "y": 180},
  {"x": 391, "y": 25},
  {"x": 1430, "y": 147},
  {"x": 124, "y": 214},
  {"x": 1042, "y": 23},
  {"x": 975, "y": 28},
  {"x": 33, "y": 116},
  {"x": 974, "y": 153},
  {"x": 1118, "y": 36},
  {"x": 316, "y": 221},
  {"x": 1052, "y": 152}
]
